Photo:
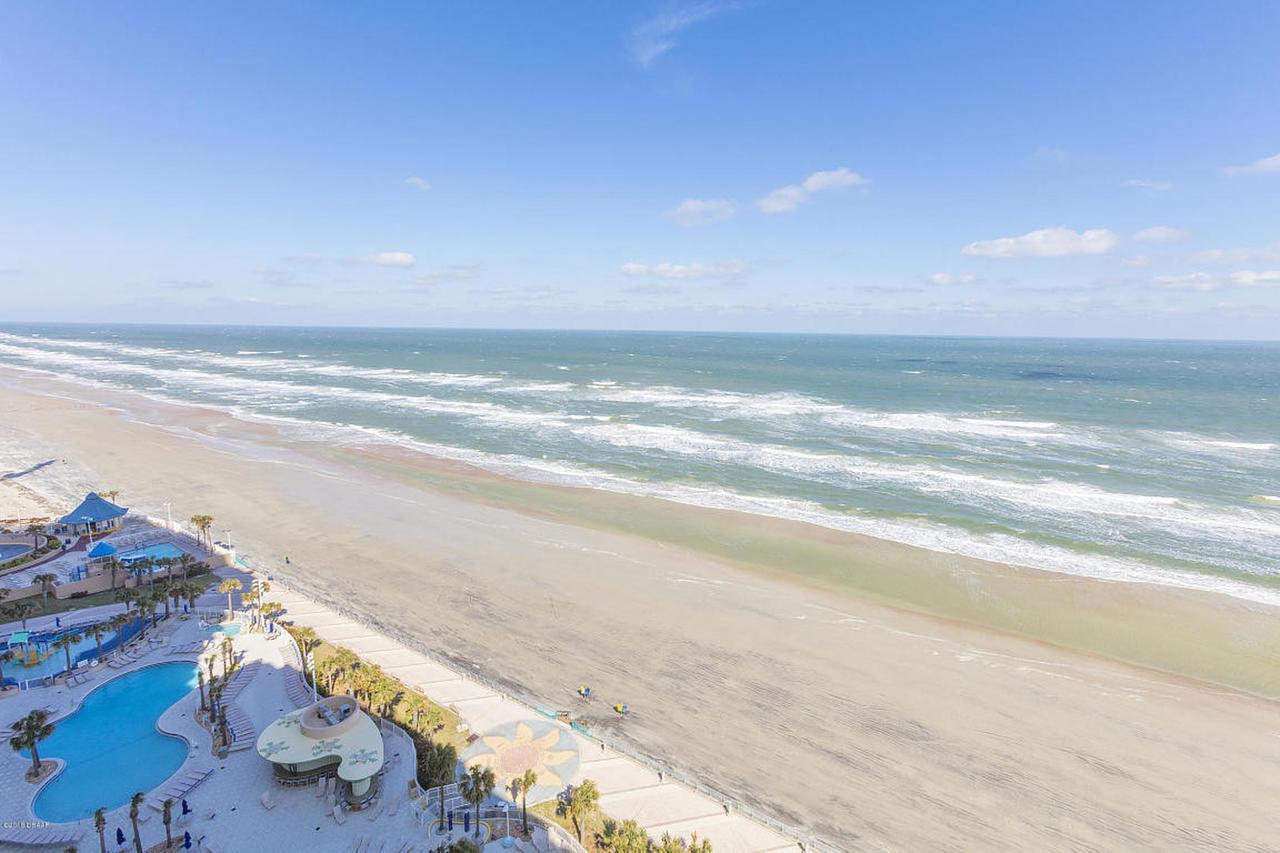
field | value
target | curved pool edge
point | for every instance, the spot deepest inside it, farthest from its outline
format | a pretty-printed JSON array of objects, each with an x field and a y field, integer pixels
[{"x": 75, "y": 706}]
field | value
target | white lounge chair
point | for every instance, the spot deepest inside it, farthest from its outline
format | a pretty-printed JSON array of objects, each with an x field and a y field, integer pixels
[
  {"x": 338, "y": 816},
  {"x": 267, "y": 801}
]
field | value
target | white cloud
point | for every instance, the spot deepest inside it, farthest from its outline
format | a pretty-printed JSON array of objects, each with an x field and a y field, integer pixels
[
  {"x": 1147, "y": 185},
  {"x": 700, "y": 211},
  {"x": 788, "y": 198},
  {"x": 403, "y": 260},
  {"x": 1249, "y": 278},
  {"x": 728, "y": 269},
  {"x": 1191, "y": 281},
  {"x": 1238, "y": 255},
  {"x": 657, "y": 36},
  {"x": 417, "y": 183},
  {"x": 1161, "y": 234},
  {"x": 950, "y": 278},
  {"x": 1137, "y": 261},
  {"x": 1046, "y": 243},
  {"x": 1266, "y": 164}
]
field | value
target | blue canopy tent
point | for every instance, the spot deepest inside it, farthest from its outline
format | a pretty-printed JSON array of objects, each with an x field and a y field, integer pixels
[
  {"x": 102, "y": 549},
  {"x": 95, "y": 514}
]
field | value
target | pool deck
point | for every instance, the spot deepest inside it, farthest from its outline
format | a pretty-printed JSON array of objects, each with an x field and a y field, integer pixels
[
  {"x": 226, "y": 811},
  {"x": 227, "y": 814}
]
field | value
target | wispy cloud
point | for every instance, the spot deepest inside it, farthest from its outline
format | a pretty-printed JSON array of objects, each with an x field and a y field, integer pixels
[
  {"x": 1046, "y": 243},
  {"x": 1266, "y": 164},
  {"x": 787, "y": 199},
  {"x": 657, "y": 36},
  {"x": 400, "y": 260},
  {"x": 951, "y": 278},
  {"x": 1147, "y": 185},
  {"x": 1249, "y": 278},
  {"x": 1161, "y": 234},
  {"x": 1238, "y": 255},
  {"x": 702, "y": 211},
  {"x": 418, "y": 183},
  {"x": 1190, "y": 281},
  {"x": 727, "y": 269},
  {"x": 451, "y": 273}
]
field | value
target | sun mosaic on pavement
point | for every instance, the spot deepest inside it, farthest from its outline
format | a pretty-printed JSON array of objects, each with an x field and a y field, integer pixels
[{"x": 549, "y": 750}]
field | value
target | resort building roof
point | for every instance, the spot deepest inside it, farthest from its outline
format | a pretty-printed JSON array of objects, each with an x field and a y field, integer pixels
[
  {"x": 94, "y": 508},
  {"x": 334, "y": 730}
]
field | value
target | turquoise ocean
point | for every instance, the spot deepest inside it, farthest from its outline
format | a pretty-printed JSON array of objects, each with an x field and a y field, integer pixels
[{"x": 1148, "y": 461}]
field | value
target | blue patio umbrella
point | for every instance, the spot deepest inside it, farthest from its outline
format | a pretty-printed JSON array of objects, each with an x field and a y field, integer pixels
[
  {"x": 186, "y": 841},
  {"x": 451, "y": 820},
  {"x": 186, "y": 809},
  {"x": 466, "y": 821},
  {"x": 57, "y": 621},
  {"x": 119, "y": 835}
]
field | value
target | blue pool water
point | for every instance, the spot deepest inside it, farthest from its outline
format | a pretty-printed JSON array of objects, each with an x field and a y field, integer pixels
[
  {"x": 156, "y": 552},
  {"x": 9, "y": 550},
  {"x": 111, "y": 745},
  {"x": 50, "y": 661},
  {"x": 230, "y": 629}
]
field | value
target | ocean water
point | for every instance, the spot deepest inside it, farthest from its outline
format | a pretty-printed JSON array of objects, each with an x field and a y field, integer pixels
[{"x": 1153, "y": 461}]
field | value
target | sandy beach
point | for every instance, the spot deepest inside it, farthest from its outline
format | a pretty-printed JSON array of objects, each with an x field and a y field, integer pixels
[{"x": 879, "y": 696}]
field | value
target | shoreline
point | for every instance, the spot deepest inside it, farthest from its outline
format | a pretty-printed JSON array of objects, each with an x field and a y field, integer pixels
[{"x": 740, "y": 675}]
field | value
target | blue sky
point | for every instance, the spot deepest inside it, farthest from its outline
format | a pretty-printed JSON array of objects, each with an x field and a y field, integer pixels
[{"x": 995, "y": 168}]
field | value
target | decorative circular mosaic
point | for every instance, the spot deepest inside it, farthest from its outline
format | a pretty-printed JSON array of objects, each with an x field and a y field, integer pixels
[{"x": 551, "y": 751}]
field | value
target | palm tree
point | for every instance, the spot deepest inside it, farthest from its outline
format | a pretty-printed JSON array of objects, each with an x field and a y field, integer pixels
[
  {"x": 668, "y": 844},
  {"x": 5, "y": 657},
  {"x": 578, "y": 802},
  {"x": 27, "y": 734},
  {"x": 525, "y": 782},
  {"x": 474, "y": 785},
  {"x": 625, "y": 837},
  {"x": 127, "y": 596},
  {"x": 100, "y": 825},
  {"x": 109, "y": 494},
  {"x": 45, "y": 580},
  {"x": 34, "y": 531},
  {"x": 227, "y": 647},
  {"x": 65, "y": 642},
  {"x": 184, "y": 563},
  {"x": 134, "y": 802},
  {"x": 22, "y": 610},
  {"x": 341, "y": 662},
  {"x": 166, "y": 815},
  {"x": 97, "y": 630},
  {"x": 202, "y": 523},
  {"x": 229, "y": 586},
  {"x": 113, "y": 565},
  {"x": 200, "y": 682},
  {"x": 117, "y": 623},
  {"x": 146, "y": 607},
  {"x": 167, "y": 592}
]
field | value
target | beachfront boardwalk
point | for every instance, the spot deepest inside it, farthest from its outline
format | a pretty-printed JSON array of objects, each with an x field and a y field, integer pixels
[{"x": 629, "y": 790}]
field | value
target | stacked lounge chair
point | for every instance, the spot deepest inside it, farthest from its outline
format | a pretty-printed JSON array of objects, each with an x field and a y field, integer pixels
[
  {"x": 41, "y": 836},
  {"x": 180, "y": 786}
]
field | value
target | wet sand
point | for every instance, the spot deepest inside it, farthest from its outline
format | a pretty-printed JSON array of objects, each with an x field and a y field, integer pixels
[{"x": 880, "y": 696}]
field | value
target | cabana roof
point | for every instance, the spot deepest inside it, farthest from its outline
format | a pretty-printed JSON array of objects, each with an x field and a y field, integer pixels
[
  {"x": 102, "y": 549},
  {"x": 94, "y": 508}
]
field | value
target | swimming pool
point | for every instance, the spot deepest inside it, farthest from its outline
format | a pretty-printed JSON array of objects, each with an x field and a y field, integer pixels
[
  {"x": 111, "y": 745},
  {"x": 229, "y": 629},
  {"x": 36, "y": 657},
  {"x": 159, "y": 551},
  {"x": 9, "y": 550}
]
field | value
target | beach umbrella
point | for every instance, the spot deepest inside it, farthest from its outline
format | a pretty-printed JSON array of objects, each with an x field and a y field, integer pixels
[
  {"x": 186, "y": 809},
  {"x": 119, "y": 835},
  {"x": 186, "y": 841},
  {"x": 451, "y": 820},
  {"x": 57, "y": 621}
]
